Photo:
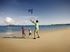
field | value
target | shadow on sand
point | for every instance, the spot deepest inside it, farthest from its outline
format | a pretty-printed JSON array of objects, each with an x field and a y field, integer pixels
[{"x": 17, "y": 37}]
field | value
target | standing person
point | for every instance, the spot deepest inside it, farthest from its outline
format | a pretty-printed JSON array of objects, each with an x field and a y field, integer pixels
[
  {"x": 36, "y": 31},
  {"x": 23, "y": 32}
]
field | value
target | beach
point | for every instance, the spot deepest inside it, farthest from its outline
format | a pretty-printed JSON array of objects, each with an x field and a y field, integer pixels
[{"x": 49, "y": 41}]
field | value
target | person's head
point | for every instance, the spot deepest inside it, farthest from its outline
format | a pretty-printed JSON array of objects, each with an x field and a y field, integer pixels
[{"x": 37, "y": 21}]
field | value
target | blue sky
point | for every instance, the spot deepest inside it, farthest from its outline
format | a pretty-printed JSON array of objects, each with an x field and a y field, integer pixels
[{"x": 47, "y": 11}]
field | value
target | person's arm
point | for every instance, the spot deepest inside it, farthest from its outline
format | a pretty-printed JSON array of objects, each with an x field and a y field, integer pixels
[{"x": 32, "y": 21}]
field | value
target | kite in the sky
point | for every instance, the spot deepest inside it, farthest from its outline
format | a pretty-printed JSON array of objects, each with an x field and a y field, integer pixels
[{"x": 30, "y": 11}]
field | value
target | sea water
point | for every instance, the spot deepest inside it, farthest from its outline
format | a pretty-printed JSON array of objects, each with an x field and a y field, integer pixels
[
  {"x": 42, "y": 27},
  {"x": 16, "y": 28}
]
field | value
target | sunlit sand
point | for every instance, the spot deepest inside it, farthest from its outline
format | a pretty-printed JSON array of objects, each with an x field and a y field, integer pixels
[{"x": 49, "y": 41}]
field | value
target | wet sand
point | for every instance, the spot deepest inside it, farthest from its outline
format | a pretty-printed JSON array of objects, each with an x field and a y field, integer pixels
[{"x": 49, "y": 41}]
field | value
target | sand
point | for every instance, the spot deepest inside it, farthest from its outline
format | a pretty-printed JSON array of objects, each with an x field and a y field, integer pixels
[{"x": 49, "y": 41}]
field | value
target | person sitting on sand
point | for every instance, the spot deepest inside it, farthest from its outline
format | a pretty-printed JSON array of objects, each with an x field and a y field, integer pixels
[
  {"x": 36, "y": 28},
  {"x": 23, "y": 32}
]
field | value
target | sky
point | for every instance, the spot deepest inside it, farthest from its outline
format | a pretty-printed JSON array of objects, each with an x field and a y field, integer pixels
[{"x": 46, "y": 11}]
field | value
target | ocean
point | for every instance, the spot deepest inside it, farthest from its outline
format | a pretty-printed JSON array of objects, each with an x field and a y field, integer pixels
[{"x": 14, "y": 28}]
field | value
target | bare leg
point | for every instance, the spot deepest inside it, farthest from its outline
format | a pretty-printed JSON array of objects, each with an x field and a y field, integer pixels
[
  {"x": 38, "y": 34},
  {"x": 23, "y": 35},
  {"x": 34, "y": 34},
  {"x": 30, "y": 34}
]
